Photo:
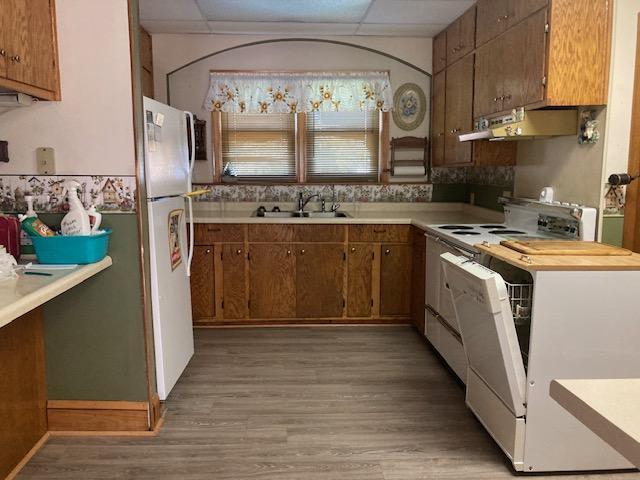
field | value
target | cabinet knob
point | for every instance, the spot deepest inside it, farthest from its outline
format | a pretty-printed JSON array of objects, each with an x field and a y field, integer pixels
[
  {"x": 302, "y": 252},
  {"x": 288, "y": 252},
  {"x": 353, "y": 249},
  {"x": 502, "y": 18},
  {"x": 239, "y": 251},
  {"x": 3, "y": 52},
  {"x": 16, "y": 59},
  {"x": 387, "y": 252},
  {"x": 495, "y": 99},
  {"x": 207, "y": 251}
]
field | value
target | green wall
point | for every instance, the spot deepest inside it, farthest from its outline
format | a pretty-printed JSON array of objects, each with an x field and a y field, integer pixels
[
  {"x": 612, "y": 228},
  {"x": 94, "y": 337}
]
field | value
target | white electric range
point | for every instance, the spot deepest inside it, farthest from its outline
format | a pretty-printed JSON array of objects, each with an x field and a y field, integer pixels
[{"x": 524, "y": 219}]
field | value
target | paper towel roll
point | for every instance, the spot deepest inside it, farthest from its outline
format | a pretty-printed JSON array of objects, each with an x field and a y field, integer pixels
[{"x": 409, "y": 171}]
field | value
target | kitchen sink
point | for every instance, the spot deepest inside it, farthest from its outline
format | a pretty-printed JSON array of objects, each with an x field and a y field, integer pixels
[{"x": 295, "y": 214}]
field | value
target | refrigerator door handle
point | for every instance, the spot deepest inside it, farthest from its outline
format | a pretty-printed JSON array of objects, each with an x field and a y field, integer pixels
[
  {"x": 191, "y": 233},
  {"x": 192, "y": 153}
]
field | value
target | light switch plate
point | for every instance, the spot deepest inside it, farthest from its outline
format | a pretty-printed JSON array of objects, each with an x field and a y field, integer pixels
[{"x": 46, "y": 159}]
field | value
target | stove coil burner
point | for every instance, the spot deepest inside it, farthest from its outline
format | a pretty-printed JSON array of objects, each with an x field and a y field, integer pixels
[
  {"x": 456, "y": 227},
  {"x": 492, "y": 227},
  {"x": 508, "y": 232},
  {"x": 465, "y": 232}
]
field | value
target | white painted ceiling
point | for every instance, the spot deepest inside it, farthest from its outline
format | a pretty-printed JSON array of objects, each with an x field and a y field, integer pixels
[{"x": 405, "y": 18}]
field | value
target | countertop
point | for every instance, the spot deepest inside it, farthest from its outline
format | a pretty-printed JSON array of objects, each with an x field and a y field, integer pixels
[
  {"x": 417, "y": 214},
  {"x": 608, "y": 407},
  {"x": 534, "y": 263},
  {"x": 21, "y": 295}
]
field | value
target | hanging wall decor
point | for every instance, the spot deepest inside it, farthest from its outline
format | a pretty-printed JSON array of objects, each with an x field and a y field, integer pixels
[{"x": 409, "y": 106}]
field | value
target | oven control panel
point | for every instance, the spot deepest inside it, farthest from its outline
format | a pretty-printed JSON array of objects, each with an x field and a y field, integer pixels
[{"x": 565, "y": 227}]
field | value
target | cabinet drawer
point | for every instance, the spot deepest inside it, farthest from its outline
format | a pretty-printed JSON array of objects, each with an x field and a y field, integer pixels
[
  {"x": 208, "y": 233},
  {"x": 271, "y": 233},
  {"x": 320, "y": 233},
  {"x": 380, "y": 233}
]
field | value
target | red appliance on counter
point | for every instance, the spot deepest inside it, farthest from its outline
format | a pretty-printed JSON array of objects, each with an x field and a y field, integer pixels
[{"x": 10, "y": 235}]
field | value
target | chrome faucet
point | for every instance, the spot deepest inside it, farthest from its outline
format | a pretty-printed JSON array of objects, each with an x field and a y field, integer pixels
[{"x": 303, "y": 203}]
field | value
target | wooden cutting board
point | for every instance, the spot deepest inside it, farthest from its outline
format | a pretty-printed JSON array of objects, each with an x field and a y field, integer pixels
[{"x": 564, "y": 247}]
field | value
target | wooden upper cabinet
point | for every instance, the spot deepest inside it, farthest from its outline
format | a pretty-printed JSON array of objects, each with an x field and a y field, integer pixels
[
  {"x": 360, "y": 260},
  {"x": 28, "y": 48},
  {"x": 202, "y": 279},
  {"x": 146, "y": 63},
  {"x": 523, "y": 75},
  {"x": 272, "y": 281},
  {"x": 319, "y": 280},
  {"x": 438, "y": 118},
  {"x": 440, "y": 52},
  {"x": 488, "y": 82},
  {"x": 458, "y": 111},
  {"x": 492, "y": 19},
  {"x": 461, "y": 36},
  {"x": 521, "y": 9},
  {"x": 395, "y": 280}
]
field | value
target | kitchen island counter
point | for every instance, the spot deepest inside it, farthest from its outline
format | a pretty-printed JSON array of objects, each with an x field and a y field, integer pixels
[{"x": 21, "y": 295}]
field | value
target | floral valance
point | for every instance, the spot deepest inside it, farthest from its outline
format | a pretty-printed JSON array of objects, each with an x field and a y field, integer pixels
[{"x": 267, "y": 92}]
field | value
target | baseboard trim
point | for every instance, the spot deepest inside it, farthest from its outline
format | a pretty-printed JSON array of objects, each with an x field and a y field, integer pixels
[
  {"x": 16, "y": 470},
  {"x": 97, "y": 416}
]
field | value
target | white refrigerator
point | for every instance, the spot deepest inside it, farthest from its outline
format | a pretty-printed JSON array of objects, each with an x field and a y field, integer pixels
[{"x": 168, "y": 167}]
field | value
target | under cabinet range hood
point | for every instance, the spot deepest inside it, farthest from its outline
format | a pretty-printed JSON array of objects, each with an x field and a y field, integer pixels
[{"x": 521, "y": 125}]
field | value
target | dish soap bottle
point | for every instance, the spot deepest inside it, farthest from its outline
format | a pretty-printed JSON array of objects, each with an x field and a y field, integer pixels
[
  {"x": 76, "y": 222},
  {"x": 26, "y": 245},
  {"x": 95, "y": 218}
]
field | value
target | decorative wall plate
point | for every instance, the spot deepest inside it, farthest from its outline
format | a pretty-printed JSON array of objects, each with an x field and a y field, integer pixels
[{"x": 409, "y": 106}]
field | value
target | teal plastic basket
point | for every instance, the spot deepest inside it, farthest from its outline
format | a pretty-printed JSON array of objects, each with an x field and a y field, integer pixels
[{"x": 81, "y": 249}]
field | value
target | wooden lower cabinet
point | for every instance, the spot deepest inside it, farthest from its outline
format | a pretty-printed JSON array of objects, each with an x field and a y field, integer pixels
[
  {"x": 203, "y": 304},
  {"x": 360, "y": 258},
  {"x": 234, "y": 285},
  {"x": 319, "y": 280},
  {"x": 270, "y": 273},
  {"x": 272, "y": 281},
  {"x": 395, "y": 280}
]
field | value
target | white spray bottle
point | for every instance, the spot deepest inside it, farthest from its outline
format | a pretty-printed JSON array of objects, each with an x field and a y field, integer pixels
[
  {"x": 95, "y": 218},
  {"x": 76, "y": 222}
]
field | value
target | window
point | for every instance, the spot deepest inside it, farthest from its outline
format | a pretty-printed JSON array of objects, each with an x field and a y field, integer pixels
[
  {"x": 341, "y": 146},
  {"x": 258, "y": 146},
  {"x": 316, "y": 147}
]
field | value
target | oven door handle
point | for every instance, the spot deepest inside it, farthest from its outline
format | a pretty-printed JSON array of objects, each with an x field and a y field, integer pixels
[{"x": 467, "y": 253}]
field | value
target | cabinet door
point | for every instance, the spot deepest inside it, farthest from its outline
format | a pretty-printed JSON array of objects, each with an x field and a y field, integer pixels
[
  {"x": 521, "y": 9},
  {"x": 458, "y": 111},
  {"x": 360, "y": 280},
  {"x": 418, "y": 265},
  {"x": 203, "y": 304},
  {"x": 523, "y": 74},
  {"x": 395, "y": 280},
  {"x": 440, "y": 52},
  {"x": 30, "y": 49},
  {"x": 319, "y": 280},
  {"x": 463, "y": 31},
  {"x": 437, "y": 122},
  {"x": 272, "y": 281},
  {"x": 234, "y": 289},
  {"x": 488, "y": 79},
  {"x": 492, "y": 19}
]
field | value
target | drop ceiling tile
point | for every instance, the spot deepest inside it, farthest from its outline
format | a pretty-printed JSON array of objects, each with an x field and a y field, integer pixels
[
  {"x": 416, "y": 11},
  {"x": 162, "y": 26},
  {"x": 169, "y": 10},
  {"x": 404, "y": 30},
  {"x": 312, "y": 11},
  {"x": 283, "y": 28}
]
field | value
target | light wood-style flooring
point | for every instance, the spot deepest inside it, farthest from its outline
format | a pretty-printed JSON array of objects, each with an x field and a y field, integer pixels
[{"x": 323, "y": 403}]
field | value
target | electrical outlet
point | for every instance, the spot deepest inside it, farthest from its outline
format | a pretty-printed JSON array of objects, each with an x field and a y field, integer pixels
[{"x": 46, "y": 159}]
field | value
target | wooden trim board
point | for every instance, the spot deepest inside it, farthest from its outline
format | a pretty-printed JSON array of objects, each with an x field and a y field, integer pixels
[{"x": 97, "y": 416}]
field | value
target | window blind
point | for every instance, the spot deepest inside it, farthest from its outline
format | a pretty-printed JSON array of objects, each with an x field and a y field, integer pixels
[
  {"x": 342, "y": 146},
  {"x": 258, "y": 146}
]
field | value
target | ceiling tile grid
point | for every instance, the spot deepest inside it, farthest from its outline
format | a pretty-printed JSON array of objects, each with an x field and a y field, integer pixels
[{"x": 408, "y": 18}]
